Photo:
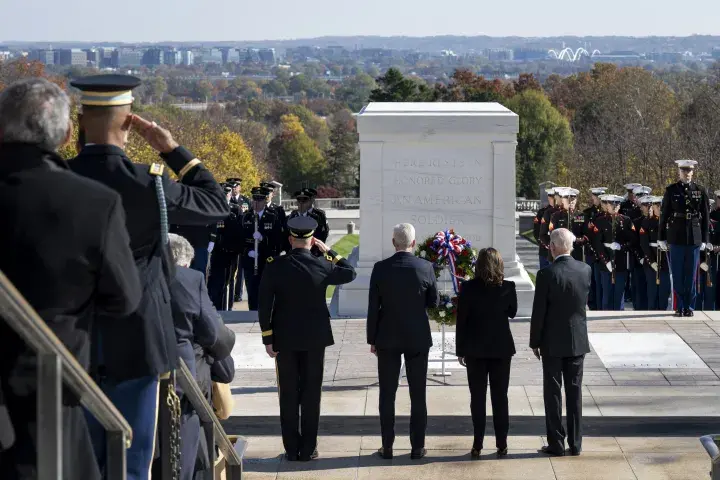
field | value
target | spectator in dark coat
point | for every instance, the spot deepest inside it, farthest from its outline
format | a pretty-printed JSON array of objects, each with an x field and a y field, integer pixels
[
  {"x": 485, "y": 344},
  {"x": 66, "y": 249},
  {"x": 197, "y": 325}
]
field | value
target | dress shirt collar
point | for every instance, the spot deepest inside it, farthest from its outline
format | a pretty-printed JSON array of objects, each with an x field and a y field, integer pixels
[{"x": 561, "y": 256}]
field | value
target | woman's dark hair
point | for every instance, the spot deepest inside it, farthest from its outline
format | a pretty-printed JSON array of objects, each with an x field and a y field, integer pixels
[{"x": 490, "y": 267}]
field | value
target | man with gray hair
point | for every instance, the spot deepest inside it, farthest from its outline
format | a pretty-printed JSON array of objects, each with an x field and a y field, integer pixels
[
  {"x": 67, "y": 251},
  {"x": 402, "y": 287},
  {"x": 558, "y": 335}
]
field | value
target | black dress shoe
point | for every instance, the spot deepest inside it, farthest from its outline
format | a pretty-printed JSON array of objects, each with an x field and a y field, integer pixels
[
  {"x": 572, "y": 453},
  {"x": 385, "y": 453},
  {"x": 678, "y": 313},
  {"x": 688, "y": 313},
  {"x": 291, "y": 458},
  {"x": 551, "y": 452},
  {"x": 313, "y": 456},
  {"x": 502, "y": 452},
  {"x": 475, "y": 454},
  {"x": 418, "y": 454}
]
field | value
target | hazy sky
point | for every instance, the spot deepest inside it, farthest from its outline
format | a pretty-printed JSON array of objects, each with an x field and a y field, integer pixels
[{"x": 185, "y": 20}]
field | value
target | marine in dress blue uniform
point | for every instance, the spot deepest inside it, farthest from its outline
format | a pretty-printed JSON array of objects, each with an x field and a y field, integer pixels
[
  {"x": 707, "y": 274},
  {"x": 306, "y": 208},
  {"x": 685, "y": 230},
  {"x": 270, "y": 240},
  {"x": 543, "y": 252},
  {"x": 545, "y": 223},
  {"x": 296, "y": 329},
  {"x": 570, "y": 218},
  {"x": 612, "y": 241},
  {"x": 637, "y": 275},
  {"x": 656, "y": 264},
  {"x": 590, "y": 213},
  {"x": 129, "y": 355}
]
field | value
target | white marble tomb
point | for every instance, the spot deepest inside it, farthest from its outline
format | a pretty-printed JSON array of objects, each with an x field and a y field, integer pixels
[{"x": 437, "y": 166}]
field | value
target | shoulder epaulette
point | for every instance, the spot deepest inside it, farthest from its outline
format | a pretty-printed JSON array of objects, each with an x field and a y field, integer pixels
[
  {"x": 157, "y": 169},
  {"x": 270, "y": 259}
]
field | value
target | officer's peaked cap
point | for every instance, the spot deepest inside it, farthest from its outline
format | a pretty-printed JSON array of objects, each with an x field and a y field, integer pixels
[
  {"x": 268, "y": 185},
  {"x": 302, "y": 227},
  {"x": 686, "y": 163},
  {"x": 632, "y": 186},
  {"x": 259, "y": 192},
  {"x": 568, "y": 192},
  {"x": 641, "y": 190},
  {"x": 106, "y": 90},
  {"x": 598, "y": 190},
  {"x": 646, "y": 200}
]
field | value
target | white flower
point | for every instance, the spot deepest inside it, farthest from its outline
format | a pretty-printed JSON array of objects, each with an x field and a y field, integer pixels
[
  {"x": 442, "y": 314},
  {"x": 423, "y": 254},
  {"x": 448, "y": 305}
]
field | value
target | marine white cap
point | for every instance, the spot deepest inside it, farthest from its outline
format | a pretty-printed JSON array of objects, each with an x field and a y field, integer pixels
[
  {"x": 642, "y": 190},
  {"x": 550, "y": 191},
  {"x": 657, "y": 199},
  {"x": 686, "y": 163},
  {"x": 568, "y": 192},
  {"x": 717, "y": 193},
  {"x": 612, "y": 198},
  {"x": 598, "y": 190},
  {"x": 632, "y": 186},
  {"x": 646, "y": 200}
]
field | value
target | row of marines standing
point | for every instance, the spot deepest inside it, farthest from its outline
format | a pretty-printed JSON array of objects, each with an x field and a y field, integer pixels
[
  {"x": 240, "y": 245},
  {"x": 622, "y": 240}
]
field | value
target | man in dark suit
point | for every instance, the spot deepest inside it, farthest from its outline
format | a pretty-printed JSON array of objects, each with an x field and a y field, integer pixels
[
  {"x": 558, "y": 334},
  {"x": 131, "y": 354},
  {"x": 296, "y": 329},
  {"x": 67, "y": 251},
  {"x": 402, "y": 287}
]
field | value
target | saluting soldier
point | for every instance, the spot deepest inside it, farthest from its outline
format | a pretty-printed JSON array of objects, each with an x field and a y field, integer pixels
[
  {"x": 296, "y": 329},
  {"x": 685, "y": 229},
  {"x": 262, "y": 226},
  {"x": 228, "y": 243},
  {"x": 637, "y": 274},
  {"x": 707, "y": 273},
  {"x": 568, "y": 217},
  {"x": 656, "y": 265},
  {"x": 545, "y": 221},
  {"x": 591, "y": 212},
  {"x": 306, "y": 208},
  {"x": 543, "y": 252},
  {"x": 129, "y": 355},
  {"x": 612, "y": 241},
  {"x": 629, "y": 206}
]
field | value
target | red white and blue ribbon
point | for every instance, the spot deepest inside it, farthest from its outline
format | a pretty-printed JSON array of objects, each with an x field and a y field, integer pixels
[{"x": 448, "y": 245}]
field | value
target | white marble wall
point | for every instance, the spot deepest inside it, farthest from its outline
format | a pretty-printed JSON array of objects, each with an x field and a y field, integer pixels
[{"x": 437, "y": 166}]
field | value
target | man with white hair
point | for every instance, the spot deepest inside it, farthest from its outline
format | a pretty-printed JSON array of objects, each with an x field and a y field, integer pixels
[
  {"x": 402, "y": 287},
  {"x": 558, "y": 336},
  {"x": 67, "y": 251}
]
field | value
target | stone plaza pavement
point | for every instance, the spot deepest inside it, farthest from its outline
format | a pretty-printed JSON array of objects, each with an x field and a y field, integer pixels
[{"x": 651, "y": 389}]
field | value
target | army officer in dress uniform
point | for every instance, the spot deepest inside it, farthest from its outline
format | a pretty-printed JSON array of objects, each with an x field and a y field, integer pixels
[
  {"x": 262, "y": 237},
  {"x": 296, "y": 330},
  {"x": 684, "y": 229},
  {"x": 305, "y": 198},
  {"x": 129, "y": 355},
  {"x": 655, "y": 262}
]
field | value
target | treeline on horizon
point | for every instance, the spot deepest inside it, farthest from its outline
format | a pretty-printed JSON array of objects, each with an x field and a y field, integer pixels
[{"x": 604, "y": 127}]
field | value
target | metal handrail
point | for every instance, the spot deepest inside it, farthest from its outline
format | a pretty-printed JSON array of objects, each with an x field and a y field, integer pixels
[
  {"x": 55, "y": 366},
  {"x": 214, "y": 430},
  {"x": 710, "y": 443}
]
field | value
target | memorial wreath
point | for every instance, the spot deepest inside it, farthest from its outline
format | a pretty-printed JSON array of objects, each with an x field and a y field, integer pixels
[{"x": 448, "y": 251}]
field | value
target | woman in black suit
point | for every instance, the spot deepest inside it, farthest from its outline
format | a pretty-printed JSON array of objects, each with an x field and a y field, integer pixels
[{"x": 485, "y": 344}]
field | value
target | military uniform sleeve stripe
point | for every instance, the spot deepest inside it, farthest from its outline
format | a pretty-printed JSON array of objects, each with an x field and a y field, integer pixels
[
  {"x": 267, "y": 333},
  {"x": 189, "y": 166}
]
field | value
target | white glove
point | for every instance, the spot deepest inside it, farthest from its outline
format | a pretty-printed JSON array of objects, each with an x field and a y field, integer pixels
[
  {"x": 704, "y": 267},
  {"x": 252, "y": 254},
  {"x": 642, "y": 261},
  {"x": 211, "y": 245},
  {"x": 609, "y": 267},
  {"x": 662, "y": 244},
  {"x": 257, "y": 236},
  {"x": 616, "y": 246},
  {"x": 709, "y": 247},
  {"x": 654, "y": 266},
  {"x": 702, "y": 246}
]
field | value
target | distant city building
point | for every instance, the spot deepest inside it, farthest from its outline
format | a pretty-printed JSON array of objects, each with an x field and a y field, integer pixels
[
  {"x": 252, "y": 56},
  {"x": 93, "y": 57},
  {"x": 334, "y": 51},
  {"x": 44, "y": 56},
  {"x": 72, "y": 56},
  {"x": 210, "y": 55},
  {"x": 231, "y": 55},
  {"x": 187, "y": 57},
  {"x": 105, "y": 55},
  {"x": 127, "y": 57},
  {"x": 172, "y": 56},
  {"x": 267, "y": 56},
  {"x": 617, "y": 56},
  {"x": 530, "y": 54},
  {"x": 499, "y": 54},
  {"x": 716, "y": 52},
  {"x": 153, "y": 56}
]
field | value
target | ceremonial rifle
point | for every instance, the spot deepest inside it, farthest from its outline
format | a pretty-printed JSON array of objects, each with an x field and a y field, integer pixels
[{"x": 257, "y": 243}]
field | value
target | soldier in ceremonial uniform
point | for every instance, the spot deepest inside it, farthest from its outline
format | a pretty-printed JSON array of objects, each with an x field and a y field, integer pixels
[
  {"x": 265, "y": 227},
  {"x": 545, "y": 221},
  {"x": 629, "y": 206},
  {"x": 306, "y": 208},
  {"x": 296, "y": 330},
  {"x": 239, "y": 204},
  {"x": 637, "y": 274},
  {"x": 568, "y": 217},
  {"x": 228, "y": 242},
  {"x": 274, "y": 206},
  {"x": 715, "y": 240},
  {"x": 655, "y": 262},
  {"x": 613, "y": 239},
  {"x": 684, "y": 229},
  {"x": 543, "y": 252},
  {"x": 590, "y": 213},
  {"x": 129, "y": 355},
  {"x": 707, "y": 272}
]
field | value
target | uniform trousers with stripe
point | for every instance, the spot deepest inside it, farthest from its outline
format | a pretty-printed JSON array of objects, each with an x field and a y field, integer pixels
[
  {"x": 137, "y": 401},
  {"x": 684, "y": 260},
  {"x": 299, "y": 378}
]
